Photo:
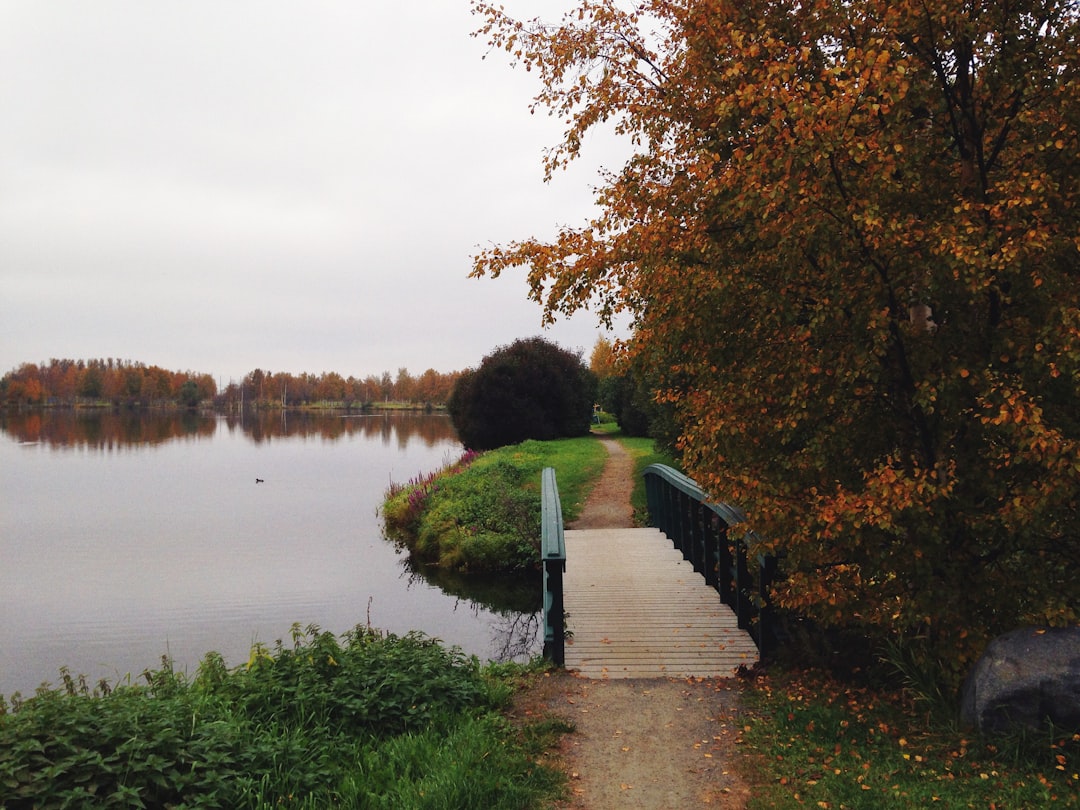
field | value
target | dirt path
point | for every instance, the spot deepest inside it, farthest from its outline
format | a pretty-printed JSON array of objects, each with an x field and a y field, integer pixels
[
  {"x": 608, "y": 505},
  {"x": 655, "y": 744}
]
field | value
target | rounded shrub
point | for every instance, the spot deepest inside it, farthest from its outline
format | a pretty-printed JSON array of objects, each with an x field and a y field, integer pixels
[{"x": 531, "y": 389}]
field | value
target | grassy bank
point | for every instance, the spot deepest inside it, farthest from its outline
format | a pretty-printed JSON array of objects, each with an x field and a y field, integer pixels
[
  {"x": 482, "y": 513},
  {"x": 362, "y": 721}
]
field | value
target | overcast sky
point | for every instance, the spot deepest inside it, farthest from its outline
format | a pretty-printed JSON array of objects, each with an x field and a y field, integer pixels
[{"x": 223, "y": 185}]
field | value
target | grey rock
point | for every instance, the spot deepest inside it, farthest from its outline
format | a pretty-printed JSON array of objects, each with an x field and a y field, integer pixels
[{"x": 1023, "y": 679}]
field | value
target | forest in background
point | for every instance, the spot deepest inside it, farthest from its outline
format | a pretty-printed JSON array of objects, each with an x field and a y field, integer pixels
[{"x": 115, "y": 382}]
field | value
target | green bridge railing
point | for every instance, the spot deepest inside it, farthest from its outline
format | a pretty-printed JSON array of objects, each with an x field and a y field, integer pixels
[
  {"x": 553, "y": 559},
  {"x": 700, "y": 529}
]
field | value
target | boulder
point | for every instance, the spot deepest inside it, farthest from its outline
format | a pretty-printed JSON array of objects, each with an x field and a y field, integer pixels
[{"x": 1023, "y": 679}]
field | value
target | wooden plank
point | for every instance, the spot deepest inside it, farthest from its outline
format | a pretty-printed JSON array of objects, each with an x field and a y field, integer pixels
[{"x": 636, "y": 609}]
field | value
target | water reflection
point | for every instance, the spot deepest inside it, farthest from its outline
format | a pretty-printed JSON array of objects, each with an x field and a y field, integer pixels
[
  {"x": 498, "y": 592},
  {"x": 516, "y": 601},
  {"x": 103, "y": 430},
  {"x": 125, "y": 535},
  {"x": 109, "y": 430}
]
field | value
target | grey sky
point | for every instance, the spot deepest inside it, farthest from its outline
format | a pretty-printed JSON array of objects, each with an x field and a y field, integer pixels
[{"x": 296, "y": 186}]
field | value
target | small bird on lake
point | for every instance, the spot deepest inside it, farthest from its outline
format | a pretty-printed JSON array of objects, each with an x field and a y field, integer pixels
[{"x": 259, "y": 480}]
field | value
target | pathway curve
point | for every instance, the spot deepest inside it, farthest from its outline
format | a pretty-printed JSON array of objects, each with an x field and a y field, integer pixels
[{"x": 649, "y": 743}]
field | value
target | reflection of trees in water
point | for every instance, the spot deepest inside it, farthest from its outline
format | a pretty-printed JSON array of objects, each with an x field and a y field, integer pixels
[
  {"x": 515, "y": 601},
  {"x": 499, "y": 593},
  {"x": 516, "y": 637},
  {"x": 387, "y": 426},
  {"x": 111, "y": 430},
  {"x": 105, "y": 430}
]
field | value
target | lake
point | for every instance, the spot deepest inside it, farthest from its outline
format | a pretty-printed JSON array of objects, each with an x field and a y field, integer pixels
[{"x": 126, "y": 536}]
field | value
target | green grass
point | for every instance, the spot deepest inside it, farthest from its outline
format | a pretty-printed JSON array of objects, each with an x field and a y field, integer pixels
[
  {"x": 578, "y": 465},
  {"x": 363, "y": 721},
  {"x": 483, "y": 513},
  {"x": 813, "y": 742},
  {"x": 644, "y": 452}
]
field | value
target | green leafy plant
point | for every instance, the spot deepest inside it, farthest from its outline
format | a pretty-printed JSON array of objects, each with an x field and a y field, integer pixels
[{"x": 362, "y": 720}]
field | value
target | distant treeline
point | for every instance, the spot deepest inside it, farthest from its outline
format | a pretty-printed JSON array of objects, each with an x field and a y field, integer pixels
[{"x": 115, "y": 382}]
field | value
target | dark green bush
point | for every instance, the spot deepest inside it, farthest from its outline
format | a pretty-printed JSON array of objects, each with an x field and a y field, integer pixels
[
  {"x": 531, "y": 389},
  {"x": 622, "y": 397}
]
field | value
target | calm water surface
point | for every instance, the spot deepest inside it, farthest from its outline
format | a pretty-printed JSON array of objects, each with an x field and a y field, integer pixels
[{"x": 126, "y": 537}]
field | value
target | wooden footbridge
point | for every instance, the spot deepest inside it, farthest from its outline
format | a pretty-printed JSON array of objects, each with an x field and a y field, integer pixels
[{"x": 675, "y": 601}]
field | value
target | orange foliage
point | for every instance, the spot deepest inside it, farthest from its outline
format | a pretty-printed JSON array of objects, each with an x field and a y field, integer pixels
[
  {"x": 849, "y": 242},
  {"x": 64, "y": 382}
]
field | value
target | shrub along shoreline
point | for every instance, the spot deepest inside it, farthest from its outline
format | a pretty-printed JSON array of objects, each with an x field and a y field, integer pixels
[
  {"x": 367, "y": 720},
  {"x": 482, "y": 512}
]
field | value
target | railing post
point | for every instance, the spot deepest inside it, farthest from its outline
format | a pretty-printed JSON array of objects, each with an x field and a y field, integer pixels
[
  {"x": 697, "y": 538},
  {"x": 743, "y": 605},
  {"x": 553, "y": 561},
  {"x": 725, "y": 562},
  {"x": 700, "y": 529},
  {"x": 653, "y": 493},
  {"x": 767, "y": 565},
  {"x": 710, "y": 541}
]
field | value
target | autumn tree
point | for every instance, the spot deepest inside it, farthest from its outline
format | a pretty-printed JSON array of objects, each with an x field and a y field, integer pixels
[
  {"x": 330, "y": 387},
  {"x": 62, "y": 382},
  {"x": 602, "y": 361},
  {"x": 848, "y": 238},
  {"x": 24, "y": 385},
  {"x": 404, "y": 386}
]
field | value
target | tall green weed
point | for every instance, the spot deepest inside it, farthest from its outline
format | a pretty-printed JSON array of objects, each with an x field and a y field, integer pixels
[{"x": 321, "y": 721}]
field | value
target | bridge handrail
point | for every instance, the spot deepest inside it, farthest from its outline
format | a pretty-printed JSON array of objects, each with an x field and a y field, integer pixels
[
  {"x": 553, "y": 560},
  {"x": 699, "y": 528}
]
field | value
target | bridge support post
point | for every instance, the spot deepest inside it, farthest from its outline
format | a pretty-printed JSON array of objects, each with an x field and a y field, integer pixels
[{"x": 553, "y": 560}]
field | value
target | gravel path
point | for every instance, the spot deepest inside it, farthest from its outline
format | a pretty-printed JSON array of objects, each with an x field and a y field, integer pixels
[{"x": 655, "y": 744}]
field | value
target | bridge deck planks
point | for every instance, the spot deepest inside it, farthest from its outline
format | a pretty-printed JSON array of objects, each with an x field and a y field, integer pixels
[{"x": 636, "y": 609}]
